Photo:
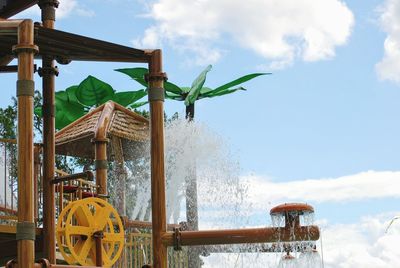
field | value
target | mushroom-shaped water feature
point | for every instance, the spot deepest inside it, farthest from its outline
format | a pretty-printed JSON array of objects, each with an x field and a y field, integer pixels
[{"x": 292, "y": 218}]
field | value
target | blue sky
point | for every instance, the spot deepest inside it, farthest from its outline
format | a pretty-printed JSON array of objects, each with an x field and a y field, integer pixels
[{"x": 329, "y": 111}]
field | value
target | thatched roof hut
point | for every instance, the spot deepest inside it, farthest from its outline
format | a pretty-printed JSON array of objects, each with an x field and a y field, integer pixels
[{"x": 107, "y": 121}]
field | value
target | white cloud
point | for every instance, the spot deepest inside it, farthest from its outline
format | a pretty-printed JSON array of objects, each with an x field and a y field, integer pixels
[
  {"x": 389, "y": 67},
  {"x": 280, "y": 31},
  {"x": 365, "y": 185},
  {"x": 362, "y": 244}
]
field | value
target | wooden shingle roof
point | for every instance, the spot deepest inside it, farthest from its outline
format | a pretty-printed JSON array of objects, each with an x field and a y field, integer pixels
[{"x": 110, "y": 119}]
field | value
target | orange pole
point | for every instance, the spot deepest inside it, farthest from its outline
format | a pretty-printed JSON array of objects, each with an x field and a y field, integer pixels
[
  {"x": 156, "y": 93},
  {"x": 48, "y": 73},
  {"x": 240, "y": 236},
  {"x": 25, "y": 87},
  {"x": 101, "y": 166}
]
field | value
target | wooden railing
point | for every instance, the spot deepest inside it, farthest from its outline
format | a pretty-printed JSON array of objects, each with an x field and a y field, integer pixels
[
  {"x": 8, "y": 203},
  {"x": 138, "y": 252}
]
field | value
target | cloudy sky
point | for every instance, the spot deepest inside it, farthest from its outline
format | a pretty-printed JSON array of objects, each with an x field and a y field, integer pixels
[{"x": 322, "y": 129}]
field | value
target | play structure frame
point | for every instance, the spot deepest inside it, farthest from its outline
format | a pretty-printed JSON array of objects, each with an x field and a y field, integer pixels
[{"x": 26, "y": 49}]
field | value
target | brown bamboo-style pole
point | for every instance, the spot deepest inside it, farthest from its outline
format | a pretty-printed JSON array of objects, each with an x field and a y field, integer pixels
[
  {"x": 240, "y": 236},
  {"x": 25, "y": 87},
  {"x": 48, "y": 73},
  {"x": 156, "y": 97},
  {"x": 100, "y": 141}
]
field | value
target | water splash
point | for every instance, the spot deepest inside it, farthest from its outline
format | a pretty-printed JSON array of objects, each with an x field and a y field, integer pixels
[{"x": 191, "y": 148}]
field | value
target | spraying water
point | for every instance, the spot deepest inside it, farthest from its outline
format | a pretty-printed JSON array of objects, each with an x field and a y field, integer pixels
[
  {"x": 193, "y": 148},
  {"x": 189, "y": 146}
]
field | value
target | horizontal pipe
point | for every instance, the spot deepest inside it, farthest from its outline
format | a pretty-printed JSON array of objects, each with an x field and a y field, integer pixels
[
  {"x": 9, "y": 69},
  {"x": 242, "y": 236},
  {"x": 83, "y": 175}
]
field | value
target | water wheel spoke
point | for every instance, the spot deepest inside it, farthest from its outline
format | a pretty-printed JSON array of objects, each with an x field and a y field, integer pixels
[
  {"x": 84, "y": 216},
  {"x": 106, "y": 255},
  {"x": 78, "y": 246},
  {"x": 84, "y": 252},
  {"x": 101, "y": 217},
  {"x": 113, "y": 237},
  {"x": 78, "y": 230}
]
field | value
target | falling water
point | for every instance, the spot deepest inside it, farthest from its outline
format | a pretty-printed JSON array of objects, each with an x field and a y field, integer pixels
[
  {"x": 221, "y": 196},
  {"x": 190, "y": 146}
]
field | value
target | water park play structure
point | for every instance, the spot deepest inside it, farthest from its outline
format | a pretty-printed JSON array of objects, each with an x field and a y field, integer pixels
[{"x": 82, "y": 226}]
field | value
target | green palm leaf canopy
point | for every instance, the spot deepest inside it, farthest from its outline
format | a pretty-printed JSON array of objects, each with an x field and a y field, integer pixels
[{"x": 197, "y": 90}]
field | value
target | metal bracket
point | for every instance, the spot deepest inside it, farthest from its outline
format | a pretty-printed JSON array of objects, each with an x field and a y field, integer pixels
[
  {"x": 156, "y": 76},
  {"x": 95, "y": 140},
  {"x": 156, "y": 94},
  {"x": 25, "y": 48},
  {"x": 100, "y": 164},
  {"x": 25, "y": 88},
  {"x": 177, "y": 239},
  {"x": 26, "y": 231},
  {"x": 48, "y": 71}
]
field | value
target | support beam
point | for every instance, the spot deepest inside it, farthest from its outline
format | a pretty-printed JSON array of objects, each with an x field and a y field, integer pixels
[
  {"x": 241, "y": 236},
  {"x": 48, "y": 73},
  {"x": 25, "y": 86},
  {"x": 156, "y": 83}
]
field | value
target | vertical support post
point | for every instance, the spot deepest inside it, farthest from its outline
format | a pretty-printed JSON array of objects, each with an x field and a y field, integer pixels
[
  {"x": 98, "y": 236},
  {"x": 36, "y": 171},
  {"x": 25, "y": 90},
  {"x": 48, "y": 73},
  {"x": 156, "y": 98},
  {"x": 101, "y": 165}
]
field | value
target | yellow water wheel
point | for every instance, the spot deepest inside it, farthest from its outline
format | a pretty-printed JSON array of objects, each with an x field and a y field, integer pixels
[{"x": 77, "y": 226}]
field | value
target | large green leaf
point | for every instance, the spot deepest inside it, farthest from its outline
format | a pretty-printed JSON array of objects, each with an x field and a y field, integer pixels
[
  {"x": 197, "y": 85},
  {"x": 220, "y": 93},
  {"x": 173, "y": 96},
  {"x": 170, "y": 87},
  {"x": 205, "y": 90},
  {"x": 129, "y": 97},
  {"x": 138, "y": 104},
  {"x": 185, "y": 90},
  {"x": 67, "y": 111},
  {"x": 136, "y": 74},
  {"x": 93, "y": 91},
  {"x": 238, "y": 81},
  {"x": 71, "y": 91}
]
